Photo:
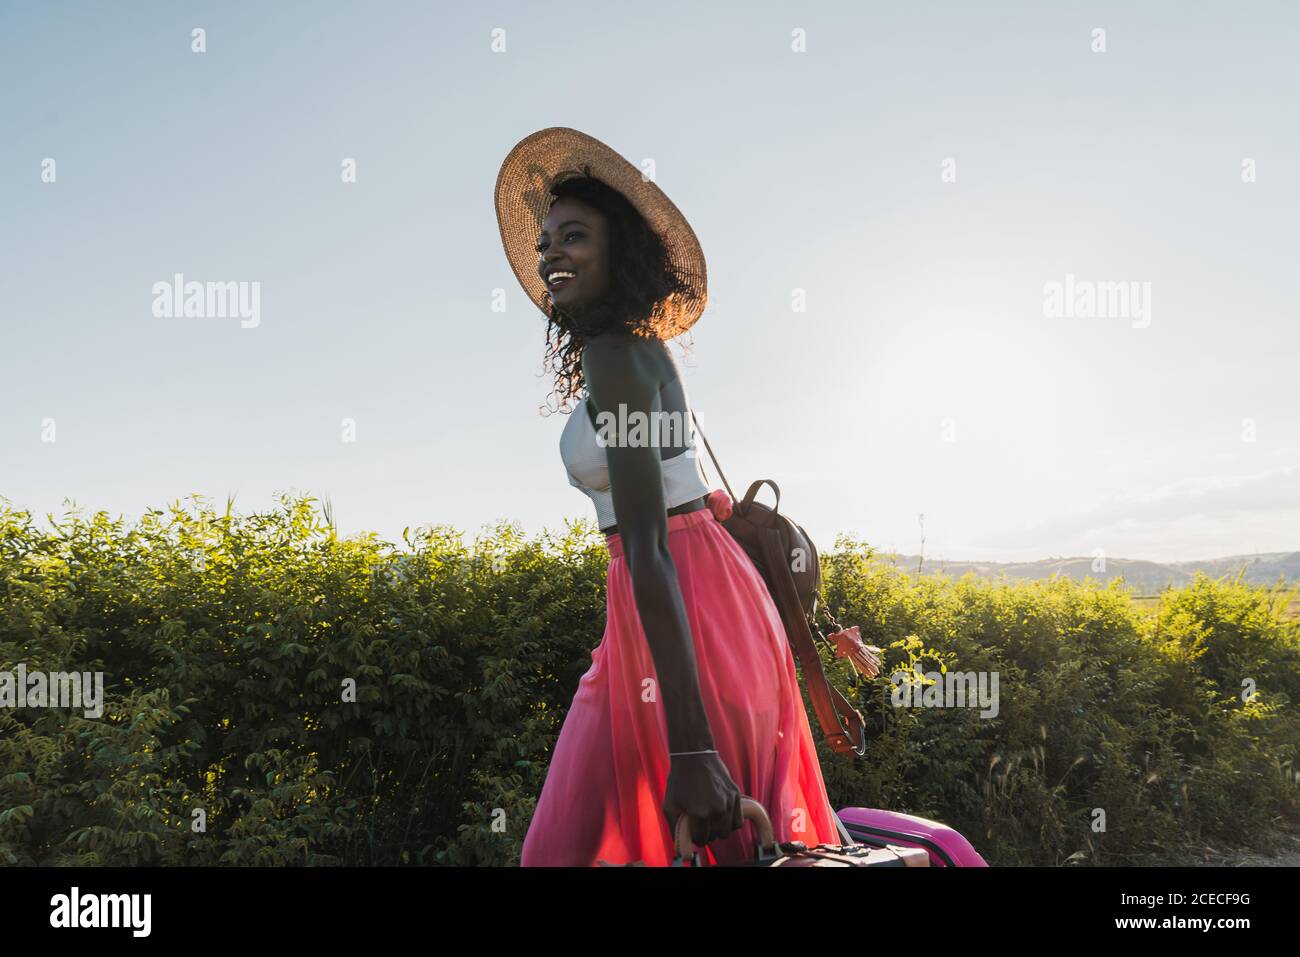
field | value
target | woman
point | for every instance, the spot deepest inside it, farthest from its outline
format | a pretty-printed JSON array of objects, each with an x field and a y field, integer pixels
[{"x": 692, "y": 697}]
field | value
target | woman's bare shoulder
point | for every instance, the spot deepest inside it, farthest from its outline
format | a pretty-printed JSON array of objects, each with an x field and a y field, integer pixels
[{"x": 619, "y": 353}]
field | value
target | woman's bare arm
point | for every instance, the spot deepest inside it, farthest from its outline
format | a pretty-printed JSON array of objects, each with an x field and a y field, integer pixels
[{"x": 622, "y": 372}]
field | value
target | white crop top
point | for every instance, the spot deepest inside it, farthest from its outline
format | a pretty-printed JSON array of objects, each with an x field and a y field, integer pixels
[{"x": 588, "y": 470}]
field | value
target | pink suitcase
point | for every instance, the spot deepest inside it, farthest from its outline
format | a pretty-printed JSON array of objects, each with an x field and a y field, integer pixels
[{"x": 946, "y": 847}]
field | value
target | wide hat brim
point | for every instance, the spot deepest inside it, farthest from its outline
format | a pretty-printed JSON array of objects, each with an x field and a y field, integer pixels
[{"x": 523, "y": 198}]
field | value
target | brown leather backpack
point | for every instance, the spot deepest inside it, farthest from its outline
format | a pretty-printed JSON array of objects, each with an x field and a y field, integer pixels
[{"x": 786, "y": 558}]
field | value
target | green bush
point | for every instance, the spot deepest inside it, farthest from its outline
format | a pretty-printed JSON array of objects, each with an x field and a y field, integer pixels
[
  {"x": 1103, "y": 708},
  {"x": 276, "y": 694}
]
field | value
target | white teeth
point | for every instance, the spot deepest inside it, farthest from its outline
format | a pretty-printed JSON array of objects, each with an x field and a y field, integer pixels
[{"x": 559, "y": 274}]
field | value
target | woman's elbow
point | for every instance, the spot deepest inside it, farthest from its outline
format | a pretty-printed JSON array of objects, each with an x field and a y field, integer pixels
[{"x": 649, "y": 561}]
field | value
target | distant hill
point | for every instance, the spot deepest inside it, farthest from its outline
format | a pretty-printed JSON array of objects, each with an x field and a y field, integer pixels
[{"x": 1141, "y": 576}]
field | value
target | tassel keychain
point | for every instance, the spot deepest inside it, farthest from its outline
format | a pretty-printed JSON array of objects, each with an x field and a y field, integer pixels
[{"x": 865, "y": 659}]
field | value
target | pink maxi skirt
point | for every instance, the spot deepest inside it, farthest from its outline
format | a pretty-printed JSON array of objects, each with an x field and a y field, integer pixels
[{"x": 604, "y": 790}]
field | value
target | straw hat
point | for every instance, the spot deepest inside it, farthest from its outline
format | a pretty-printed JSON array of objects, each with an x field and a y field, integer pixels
[{"x": 549, "y": 156}]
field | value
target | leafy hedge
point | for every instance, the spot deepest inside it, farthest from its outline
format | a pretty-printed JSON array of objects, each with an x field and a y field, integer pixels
[
  {"x": 230, "y": 645},
  {"x": 1102, "y": 707}
]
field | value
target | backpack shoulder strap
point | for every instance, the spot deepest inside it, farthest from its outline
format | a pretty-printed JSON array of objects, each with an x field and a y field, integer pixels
[
  {"x": 714, "y": 458},
  {"x": 829, "y": 705}
]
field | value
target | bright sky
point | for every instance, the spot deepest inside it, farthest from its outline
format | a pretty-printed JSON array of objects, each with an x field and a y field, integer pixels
[{"x": 921, "y": 173}]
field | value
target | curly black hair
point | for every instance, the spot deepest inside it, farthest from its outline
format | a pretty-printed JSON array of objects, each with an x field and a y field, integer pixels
[{"x": 643, "y": 283}]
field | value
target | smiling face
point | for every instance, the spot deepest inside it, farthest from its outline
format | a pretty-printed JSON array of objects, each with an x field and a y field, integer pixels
[{"x": 574, "y": 240}]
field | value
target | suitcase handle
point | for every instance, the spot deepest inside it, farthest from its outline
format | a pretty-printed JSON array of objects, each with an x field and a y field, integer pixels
[{"x": 750, "y": 810}]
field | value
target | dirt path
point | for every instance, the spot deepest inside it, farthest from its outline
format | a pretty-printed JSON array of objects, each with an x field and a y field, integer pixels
[{"x": 1285, "y": 845}]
